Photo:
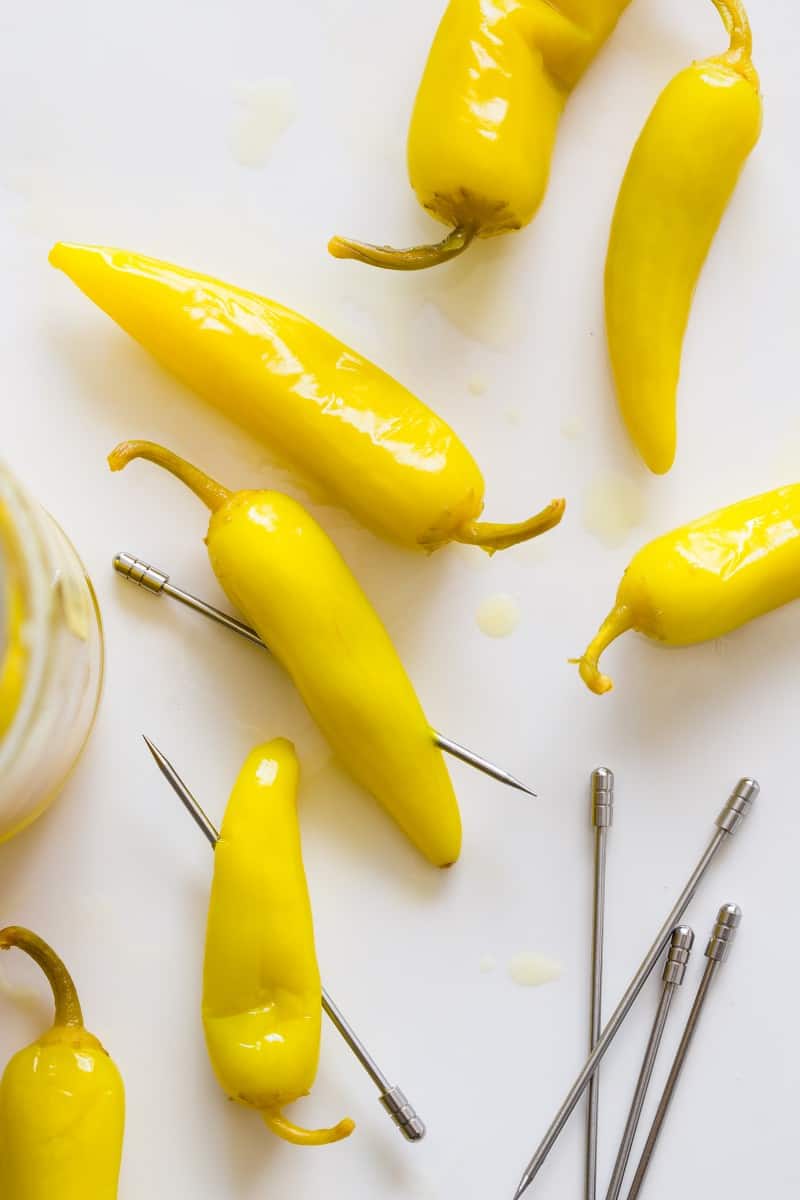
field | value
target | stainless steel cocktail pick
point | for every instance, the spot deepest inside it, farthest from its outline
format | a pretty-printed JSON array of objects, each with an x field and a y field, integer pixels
[
  {"x": 728, "y": 920},
  {"x": 602, "y": 820},
  {"x": 673, "y": 976},
  {"x": 391, "y": 1097},
  {"x": 739, "y": 804},
  {"x": 157, "y": 582}
]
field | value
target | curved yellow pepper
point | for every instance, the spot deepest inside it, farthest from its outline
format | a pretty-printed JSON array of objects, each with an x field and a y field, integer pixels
[
  {"x": 62, "y": 1102},
  {"x": 679, "y": 180},
  {"x": 369, "y": 443},
  {"x": 486, "y": 117},
  {"x": 14, "y": 659},
  {"x": 262, "y": 996},
  {"x": 286, "y": 576},
  {"x": 706, "y": 578}
]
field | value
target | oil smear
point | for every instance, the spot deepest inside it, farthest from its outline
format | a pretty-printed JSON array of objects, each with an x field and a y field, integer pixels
[
  {"x": 613, "y": 505},
  {"x": 573, "y": 428},
  {"x": 532, "y": 970},
  {"x": 487, "y": 964},
  {"x": 498, "y": 616},
  {"x": 264, "y": 111}
]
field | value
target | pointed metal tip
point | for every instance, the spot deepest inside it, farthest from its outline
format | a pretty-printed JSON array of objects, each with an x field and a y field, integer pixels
[
  {"x": 154, "y": 750},
  {"x": 528, "y": 792}
]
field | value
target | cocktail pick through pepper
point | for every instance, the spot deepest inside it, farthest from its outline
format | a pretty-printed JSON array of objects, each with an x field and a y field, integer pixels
[
  {"x": 62, "y": 1101},
  {"x": 152, "y": 580},
  {"x": 280, "y": 569},
  {"x": 392, "y": 1098}
]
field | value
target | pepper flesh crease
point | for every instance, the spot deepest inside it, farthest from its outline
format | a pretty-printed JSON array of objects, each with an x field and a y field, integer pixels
[
  {"x": 707, "y": 578},
  {"x": 262, "y": 996},
  {"x": 62, "y": 1101},
  {"x": 341, "y": 421},
  {"x": 679, "y": 180},
  {"x": 279, "y": 568},
  {"x": 486, "y": 117}
]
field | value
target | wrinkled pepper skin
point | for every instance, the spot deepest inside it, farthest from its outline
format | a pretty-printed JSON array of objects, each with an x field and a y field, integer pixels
[
  {"x": 283, "y": 573},
  {"x": 679, "y": 180},
  {"x": 486, "y": 117},
  {"x": 342, "y": 422},
  {"x": 262, "y": 996},
  {"x": 707, "y": 578},
  {"x": 62, "y": 1102}
]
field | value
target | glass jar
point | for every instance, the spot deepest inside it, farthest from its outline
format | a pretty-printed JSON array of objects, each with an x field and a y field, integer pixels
[{"x": 51, "y": 657}]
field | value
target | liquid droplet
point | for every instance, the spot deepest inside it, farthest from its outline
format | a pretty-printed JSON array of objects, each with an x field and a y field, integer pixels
[
  {"x": 613, "y": 506},
  {"x": 498, "y": 616},
  {"x": 264, "y": 111},
  {"x": 532, "y": 970}
]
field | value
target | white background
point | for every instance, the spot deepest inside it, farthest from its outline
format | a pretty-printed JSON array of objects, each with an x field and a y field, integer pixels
[{"x": 117, "y": 128}]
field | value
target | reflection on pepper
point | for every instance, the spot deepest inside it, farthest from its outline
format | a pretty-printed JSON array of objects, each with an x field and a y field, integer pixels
[
  {"x": 262, "y": 996},
  {"x": 486, "y": 117},
  {"x": 344, "y": 423},
  {"x": 62, "y": 1102},
  {"x": 707, "y": 578},
  {"x": 283, "y": 573}
]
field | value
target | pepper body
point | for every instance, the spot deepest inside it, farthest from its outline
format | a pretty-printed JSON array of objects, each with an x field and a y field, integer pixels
[
  {"x": 679, "y": 180},
  {"x": 262, "y": 997},
  {"x": 707, "y": 578},
  {"x": 62, "y": 1104},
  {"x": 486, "y": 116},
  {"x": 283, "y": 573},
  {"x": 345, "y": 424}
]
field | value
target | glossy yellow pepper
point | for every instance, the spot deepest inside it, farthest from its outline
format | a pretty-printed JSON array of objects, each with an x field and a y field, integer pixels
[
  {"x": 486, "y": 117},
  {"x": 62, "y": 1102},
  {"x": 262, "y": 996},
  {"x": 14, "y": 656},
  {"x": 679, "y": 180},
  {"x": 705, "y": 579},
  {"x": 288, "y": 579},
  {"x": 365, "y": 440}
]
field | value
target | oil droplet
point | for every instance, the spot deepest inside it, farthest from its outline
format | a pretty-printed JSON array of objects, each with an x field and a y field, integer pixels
[
  {"x": 513, "y": 416},
  {"x": 487, "y": 964},
  {"x": 613, "y": 506},
  {"x": 498, "y": 616},
  {"x": 477, "y": 385},
  {"x": 532, "y": 970},
  {"x": 265, "y": 111},
  {"x": 573, "y": 427}
]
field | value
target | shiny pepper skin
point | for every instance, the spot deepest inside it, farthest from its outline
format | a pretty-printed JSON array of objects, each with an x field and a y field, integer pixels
[
  {"x": 679, "y": 180},
  {"x": 347, "y": 426},
  {"x": 707, "y": 578},
  {"x": 283, "y": 573},
  {"x": 62, "y": 1102},
  {"x": 486, "y": 117},
  {"x": 262, "y": 996}
]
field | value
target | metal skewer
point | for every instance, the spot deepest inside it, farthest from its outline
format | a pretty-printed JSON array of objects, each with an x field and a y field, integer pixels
[
  {"x": 728, "y": 920},
  {"x": 157, "y": 582},
  {"x": 673, "y": 976},
  {"x": 602, "y": 820},
  {"x": 392, "y": 1098},
  {"x": 736, "y": 809}
]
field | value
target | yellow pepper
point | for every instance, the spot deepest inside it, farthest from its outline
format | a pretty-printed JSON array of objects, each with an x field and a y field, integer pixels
[
  {"x": 679, "y": 180},
  {"x": 285, "y": 575},
  {"x": 705, "y": 579},
  {"x": 365, "y": 440},
  {"x": 262, "y": 996},
  {"x": 14, "y": 657},
  {"x": 62, "y": 1102},
  {"x": 486, "y": 117}
]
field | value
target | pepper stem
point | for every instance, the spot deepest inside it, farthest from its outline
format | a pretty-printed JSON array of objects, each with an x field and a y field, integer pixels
[
  {"x": 68, "y": 1008},
  {"x": 290, "y": 1132},
  {"x": 213, "y": 494},
  {"x": 737, "y": 23},
  {"x": 491, "y": 537},
  {"x": 416, "y": 258},
  {"x": 618, "y": 621}
]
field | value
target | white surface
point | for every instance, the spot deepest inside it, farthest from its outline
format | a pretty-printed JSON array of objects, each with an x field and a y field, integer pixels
[{"x": 119, "y": 126}]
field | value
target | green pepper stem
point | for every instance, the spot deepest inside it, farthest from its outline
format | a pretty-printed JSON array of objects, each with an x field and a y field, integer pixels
[
  {"x": 737, "y": 24},
  {"x": 618, "y": 621},
  {"x": 290, "y": 1132},
  {"x": 416, "y": 258},
  {"x": 68, "y": 1009},
  {"x": 213, "y": 494},
  {"x": 491, "y": 537}
]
